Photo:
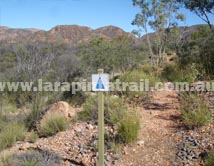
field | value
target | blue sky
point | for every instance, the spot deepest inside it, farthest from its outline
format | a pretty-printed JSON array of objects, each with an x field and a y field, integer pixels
[{"x": 45, "y": 14}]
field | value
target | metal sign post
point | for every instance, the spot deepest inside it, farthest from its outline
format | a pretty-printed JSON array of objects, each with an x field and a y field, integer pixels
[
  {"x": 101, "y": 125},
  {"x": 100, "y": 84}
]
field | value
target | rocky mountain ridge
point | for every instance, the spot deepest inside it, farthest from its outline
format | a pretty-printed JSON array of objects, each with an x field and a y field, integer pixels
[{"x": 73, "y": 34}]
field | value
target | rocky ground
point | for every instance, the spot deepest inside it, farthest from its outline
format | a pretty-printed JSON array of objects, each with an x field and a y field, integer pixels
[
  {"x": 75, "y": 146},
  {"x": 163, "y": 140},
  {"x": 159, "y": 123},
  {"x": 166, "y": 141},
  {"x": 194, "y": 145}
]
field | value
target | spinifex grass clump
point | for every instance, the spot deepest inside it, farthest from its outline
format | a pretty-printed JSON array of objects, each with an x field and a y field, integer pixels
[
  {"x": 32, "y": 158},
  {"x": 32, "y": 137},
  {"x": 194, "y": 110},
  {"x": 113, "y": 105},
  {"x": 10, "y": 133},
  {"x": 116, "y": 113},
  {"x": 129, "y": 127},
  {"x": 210, "y": 159},
  {"x": 53, "y": 123},
  {"x": 139, "y": 82}
]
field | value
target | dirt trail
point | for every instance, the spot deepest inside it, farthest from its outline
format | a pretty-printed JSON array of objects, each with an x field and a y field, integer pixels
[{"x": 156, "y": 145}]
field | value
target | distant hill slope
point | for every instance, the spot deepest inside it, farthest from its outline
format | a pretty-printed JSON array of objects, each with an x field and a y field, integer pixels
[
  {"x": 185, "y": 32},
  {"x": 12, "y": 34},
  {"x": 72, "y": 34}
]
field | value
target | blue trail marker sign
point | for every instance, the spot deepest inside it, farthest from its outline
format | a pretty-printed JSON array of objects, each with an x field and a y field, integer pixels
[{"x": 100, "y": 82}]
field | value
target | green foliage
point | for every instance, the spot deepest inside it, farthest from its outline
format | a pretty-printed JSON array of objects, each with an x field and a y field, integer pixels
[
  {"x": 149, "y": 70},
  {"x": 199, "y": 51},
  {"x": 32, "y": 137},
  {"x": 2, "y": 121},
  {"x": 90, "y": 109},
  {"x": 74, "y": 99},
  {"x": 201, "y": 8},
  {"x": 32, "y": 158},
  {"x": 210, "y": 159},
  {"x": 195, "y": 112},
  {"x": 7, "y": 60},
  {"x": 115, "y": 56},
  {"x": 52, "y": 124},
  {"x": 129, "y": 127},
  {"x": 10, "y": 133},
  {"x": 36, "y": 107},
  {"x": 138, "y": 75},
  {"x": 125, "y": 56},
  {"x": 134, "y": 79},
  {"x": 116, "y": 112},
  {"x": 115, "y": 147},
  {"x": 96, "y": 54},
  {"x": 114, "y": 108},
  {"x": 172, "y": 73},
  {"x": 6, "y": 108},
  {"x": 159, "y": 15}
]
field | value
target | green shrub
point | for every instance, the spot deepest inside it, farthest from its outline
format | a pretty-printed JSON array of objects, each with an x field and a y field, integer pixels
[
  {"x": 194, "y": 110},
  {"x": 2, "y": 120},
  {"x": 32, "y": 137},
  {"x": 113, "y": 105},
  {"x": 137, "y": 77},
  {"x": 170, "y": 53},
  {"x": 12, "y": 132},
  {"x": 33, "y": 162},
  {"x": 172, "y": 73},
  {"x": 116, "y": 113},
  {"x": 210, "y": 159},
  {"x": 52, "y": 124},
  {"x": 32, "y": 158},
  {"x": 149, "y": 69},
  {"x": 129, "y": 127},
  {"x": 74, "y": 99},
  {"x": 175, "y": 73},
  {"x": 32, "y": 118},
  {"x": 36, "y": 107},
  {"x": 90, "y": 109},
  {"x": 6, "y": 106},
  {"x": 112, "y": 142}
]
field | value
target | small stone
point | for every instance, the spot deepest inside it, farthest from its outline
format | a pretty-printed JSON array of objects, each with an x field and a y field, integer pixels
[
  {"x": 189, "y": 157},
  {"x": 212, "y": 132},
  {"x": 90, "y": 127},
  {"x": 108, "y": 158},
  {"x": 184, "y": 153},
  {"x": 22, "y": 148},
  {"x": 140, "y": 143},
  {"x": 184, "y": 149}
]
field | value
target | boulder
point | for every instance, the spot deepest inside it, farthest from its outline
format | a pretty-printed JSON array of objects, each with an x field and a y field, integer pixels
[{"x": 60, "y": 107}]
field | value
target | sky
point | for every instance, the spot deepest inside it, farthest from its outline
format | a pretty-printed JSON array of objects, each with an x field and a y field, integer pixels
[{"x": 46, "y": 14}]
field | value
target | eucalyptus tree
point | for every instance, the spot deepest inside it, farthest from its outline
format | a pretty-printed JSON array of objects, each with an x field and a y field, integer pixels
[
  {"x": 33, "y": 61},
  {"x": 202, "y": 8},
  {"x": 159, "y": 16}
]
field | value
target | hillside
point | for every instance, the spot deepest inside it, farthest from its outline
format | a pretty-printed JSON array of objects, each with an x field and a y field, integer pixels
[
  {"x": 12, "y": 34},
  {"x": 71, "y": 34}
]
